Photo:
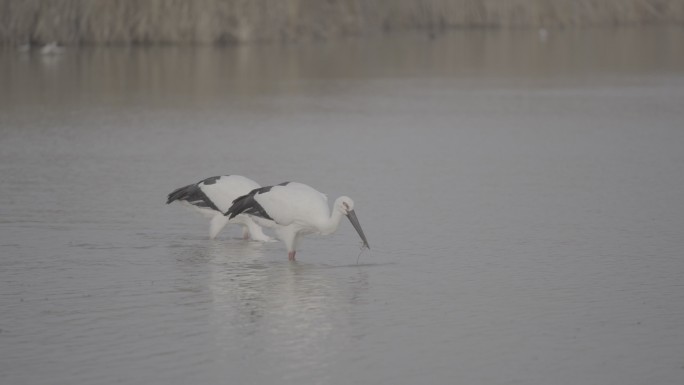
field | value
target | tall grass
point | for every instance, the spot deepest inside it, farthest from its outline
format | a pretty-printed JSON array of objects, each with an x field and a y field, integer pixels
[{"x": 234, "y": 21}]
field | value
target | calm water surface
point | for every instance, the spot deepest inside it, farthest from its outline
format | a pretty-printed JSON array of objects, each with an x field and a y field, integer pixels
[{"x": 523, "y": 200}]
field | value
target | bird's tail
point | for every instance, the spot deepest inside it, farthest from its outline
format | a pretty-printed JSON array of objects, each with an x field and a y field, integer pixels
[
  {"x": 240, "y": 204},
  {"x": 182, "y": 193},
  {"x": 248, "y": 205}
]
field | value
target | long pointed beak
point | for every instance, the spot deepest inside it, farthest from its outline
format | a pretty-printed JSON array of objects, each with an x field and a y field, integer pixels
[{"x": 355, "y": 222}]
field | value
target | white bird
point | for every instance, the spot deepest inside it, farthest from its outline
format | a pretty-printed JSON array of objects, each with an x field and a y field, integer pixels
[
  {"x": 51, "y": 49},
  {"x": 213, "y": 196},
  {"x": 295, "y": 209}
]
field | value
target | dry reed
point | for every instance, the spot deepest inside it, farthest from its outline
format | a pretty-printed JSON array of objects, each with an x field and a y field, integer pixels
[{"x": 237, "y": 21}]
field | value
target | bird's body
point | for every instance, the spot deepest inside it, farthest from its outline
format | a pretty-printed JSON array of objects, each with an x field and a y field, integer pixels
[
  {"x": 294, "y": 209},
  {"x": 51, "y": 49},
  {"x": 213, "y": 196}
]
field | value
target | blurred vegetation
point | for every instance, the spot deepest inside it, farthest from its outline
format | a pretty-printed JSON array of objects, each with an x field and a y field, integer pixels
[{"x": 238, "y": 21}]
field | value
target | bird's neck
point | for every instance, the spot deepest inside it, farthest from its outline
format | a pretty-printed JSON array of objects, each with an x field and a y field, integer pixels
[{"x": 330, "y": 226}]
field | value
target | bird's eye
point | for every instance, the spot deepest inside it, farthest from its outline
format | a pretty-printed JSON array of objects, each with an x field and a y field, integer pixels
[{"x": 346, "y": 206}]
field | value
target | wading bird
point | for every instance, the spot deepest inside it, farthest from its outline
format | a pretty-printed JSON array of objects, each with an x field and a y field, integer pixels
[
  {"x": 52, "y": 49},
  {"x": 295, "y": 209},
  {"x": 213, "y": 196}
]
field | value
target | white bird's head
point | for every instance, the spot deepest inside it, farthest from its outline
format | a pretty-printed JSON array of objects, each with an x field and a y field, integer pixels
[{"x": 345, "y": 205}]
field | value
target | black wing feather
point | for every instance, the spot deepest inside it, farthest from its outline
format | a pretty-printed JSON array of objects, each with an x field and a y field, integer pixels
[
  {"x": 194, "y": 195},
  {"x": 246, "y": 204}
]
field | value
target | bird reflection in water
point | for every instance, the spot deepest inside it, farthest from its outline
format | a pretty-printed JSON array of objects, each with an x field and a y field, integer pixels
[{"x": 289, "y": 313}]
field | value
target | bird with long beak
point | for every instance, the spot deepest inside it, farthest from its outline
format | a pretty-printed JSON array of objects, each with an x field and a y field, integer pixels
[{"x": 294, "y": 209}]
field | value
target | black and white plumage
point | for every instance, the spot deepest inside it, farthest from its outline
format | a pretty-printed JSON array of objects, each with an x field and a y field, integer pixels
[
  {"x": 295, "y": 209},
  {"x": 213, "y": 196}
]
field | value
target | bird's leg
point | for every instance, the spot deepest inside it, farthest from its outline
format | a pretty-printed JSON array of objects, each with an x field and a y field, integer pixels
[
  {"x": 291, "y": 255},
  {"x": 245, "y": 233},
  {"x": 255, "y": 232}
]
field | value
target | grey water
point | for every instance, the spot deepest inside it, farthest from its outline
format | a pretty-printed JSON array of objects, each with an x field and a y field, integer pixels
[{"x": 522, "y": 196}]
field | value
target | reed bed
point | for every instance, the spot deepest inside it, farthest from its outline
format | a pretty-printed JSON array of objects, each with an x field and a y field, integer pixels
[{"x": 238, "y": 21}]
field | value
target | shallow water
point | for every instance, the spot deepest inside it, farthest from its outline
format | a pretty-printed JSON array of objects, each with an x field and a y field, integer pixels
[{"x": 523, "y": 200}]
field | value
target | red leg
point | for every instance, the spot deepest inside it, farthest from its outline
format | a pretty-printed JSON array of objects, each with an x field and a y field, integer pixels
[{"x": 291, "y": 255}]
